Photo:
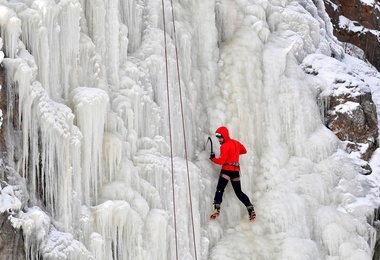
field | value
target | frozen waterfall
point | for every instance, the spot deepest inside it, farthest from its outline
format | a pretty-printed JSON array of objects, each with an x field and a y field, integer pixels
[{"x": 89, "y": 143}]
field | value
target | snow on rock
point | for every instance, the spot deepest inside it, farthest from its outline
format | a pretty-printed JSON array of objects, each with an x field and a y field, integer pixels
[
  {"x": 350, "y": 108},
  {"x": 354, "y": 26},
  {"x": 8, "y": 200}
]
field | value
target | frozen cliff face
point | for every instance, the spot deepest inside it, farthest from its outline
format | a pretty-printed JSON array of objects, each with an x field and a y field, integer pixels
[{"x": 96, "y": 144}]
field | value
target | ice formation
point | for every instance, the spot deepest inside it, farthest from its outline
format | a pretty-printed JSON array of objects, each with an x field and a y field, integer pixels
[{"x": 98, "y": 174}]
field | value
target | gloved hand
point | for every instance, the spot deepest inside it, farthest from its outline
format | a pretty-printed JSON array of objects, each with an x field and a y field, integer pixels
[{"x": 212, "y": 156}]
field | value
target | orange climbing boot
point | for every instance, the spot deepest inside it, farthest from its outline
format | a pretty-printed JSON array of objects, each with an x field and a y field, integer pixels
[{"x": 215, "y": 212}]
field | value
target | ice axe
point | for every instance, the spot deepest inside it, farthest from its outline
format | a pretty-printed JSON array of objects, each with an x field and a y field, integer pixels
[{"x": 209, "y": 139}]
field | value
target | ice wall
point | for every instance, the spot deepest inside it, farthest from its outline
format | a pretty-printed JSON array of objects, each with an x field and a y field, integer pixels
[{"x": 93, "y": 144}]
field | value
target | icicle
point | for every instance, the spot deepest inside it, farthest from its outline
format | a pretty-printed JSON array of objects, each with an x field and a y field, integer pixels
[
  {"x": 69, "y": 38},
  {"x": 1, "y": 53},
  {"x": 41, "y": 117},
  {"x": 90, "y": 107},
  {"x": 122, "y": 228},
  {"x": 112, "y": 146},
  {"x": 131, "y": 13},
  {"x": 10, "y": 30}
]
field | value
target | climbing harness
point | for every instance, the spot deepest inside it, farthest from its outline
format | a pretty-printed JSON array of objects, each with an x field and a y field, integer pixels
[{"x": 236, "y": 164}]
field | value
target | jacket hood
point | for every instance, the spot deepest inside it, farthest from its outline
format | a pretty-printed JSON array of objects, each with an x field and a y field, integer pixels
[{"x": 224, "y": 132}]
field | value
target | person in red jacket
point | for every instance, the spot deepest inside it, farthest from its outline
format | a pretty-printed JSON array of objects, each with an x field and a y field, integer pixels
[{"x": 230, "y": 150}]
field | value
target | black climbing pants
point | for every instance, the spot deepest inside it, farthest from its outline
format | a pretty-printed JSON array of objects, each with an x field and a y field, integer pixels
[{"x": 224, "y": 178}]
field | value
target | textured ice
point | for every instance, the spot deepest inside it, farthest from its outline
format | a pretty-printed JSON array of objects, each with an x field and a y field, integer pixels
[{"x": 92, "y": 146}]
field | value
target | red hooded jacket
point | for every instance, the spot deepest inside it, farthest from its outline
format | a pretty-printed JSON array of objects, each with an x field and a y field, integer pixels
[{"x": 230, "y": 150}]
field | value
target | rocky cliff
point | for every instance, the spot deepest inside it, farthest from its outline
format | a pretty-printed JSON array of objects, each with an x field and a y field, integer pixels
[
  {"x": 357, "y": 22},
  {"x": 11, "y": 239}
]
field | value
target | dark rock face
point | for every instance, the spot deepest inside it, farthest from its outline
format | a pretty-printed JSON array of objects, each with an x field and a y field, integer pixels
[
  {"x": 354, "y": 120},
  {"x": 3, "y": 108},
  {"x": 362, "y": 15},
  {"x": 11, "y": 240}
]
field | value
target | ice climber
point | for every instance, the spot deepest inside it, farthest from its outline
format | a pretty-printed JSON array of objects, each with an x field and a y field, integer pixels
[{"x": 230, "y": 150}]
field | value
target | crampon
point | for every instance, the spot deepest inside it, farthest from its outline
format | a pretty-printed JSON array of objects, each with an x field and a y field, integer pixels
[
  {"x": 214, "y": 214},
  {"x": 252, "y": 216}
]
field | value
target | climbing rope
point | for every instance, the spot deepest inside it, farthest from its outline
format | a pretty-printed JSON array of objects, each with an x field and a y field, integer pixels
[
  {"x": 183, "y": 127},
  {"x": 184, "y": 131},
  {"x": 170, "y": 132}
]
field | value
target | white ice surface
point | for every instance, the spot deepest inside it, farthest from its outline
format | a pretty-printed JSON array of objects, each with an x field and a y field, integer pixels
[{"x": 95, "y": 149}]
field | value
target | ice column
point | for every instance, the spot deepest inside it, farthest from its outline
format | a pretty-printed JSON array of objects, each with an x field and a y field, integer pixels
[
  {"x": 121, "y": 228},
  {"x": 104, "y": 30},
  {"x": 56, "y": 47},
  {"x": 90, "y": 107},
  {"x": 131, "y": 13},
  {"x": 69, "y": 37},
  {"x": 10, "y": 30}
]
